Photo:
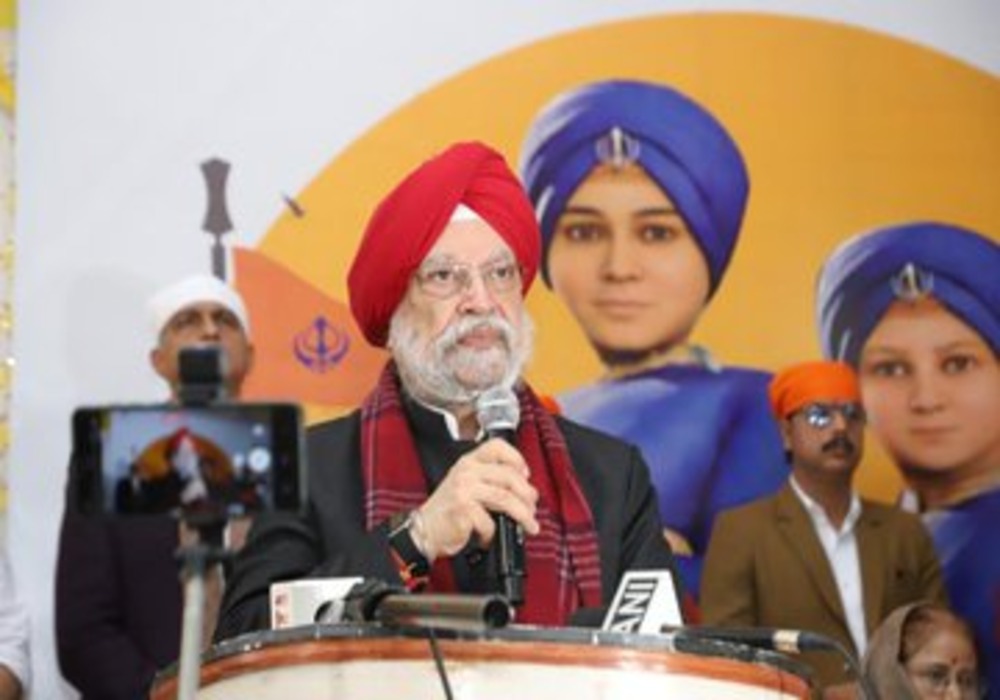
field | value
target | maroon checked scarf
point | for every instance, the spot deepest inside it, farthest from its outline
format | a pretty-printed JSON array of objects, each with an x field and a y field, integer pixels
[{"x": 562, "y": 562}]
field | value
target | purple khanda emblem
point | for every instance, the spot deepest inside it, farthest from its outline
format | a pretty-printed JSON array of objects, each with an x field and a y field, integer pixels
[{"x": 321, "y": 346}]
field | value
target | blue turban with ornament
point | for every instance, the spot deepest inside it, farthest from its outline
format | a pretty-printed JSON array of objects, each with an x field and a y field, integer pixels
[
  {"x": 682, "y": 147},
  {"x": 866, "y": 274}
]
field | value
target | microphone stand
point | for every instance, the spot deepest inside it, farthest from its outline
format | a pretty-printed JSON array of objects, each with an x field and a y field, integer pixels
[{"x": 196, "y": 560}]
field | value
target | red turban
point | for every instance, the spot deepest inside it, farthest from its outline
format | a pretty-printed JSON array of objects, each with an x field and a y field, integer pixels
[
  {"x": 410, "y": 219},
  {"x": 805, "y": 383}
]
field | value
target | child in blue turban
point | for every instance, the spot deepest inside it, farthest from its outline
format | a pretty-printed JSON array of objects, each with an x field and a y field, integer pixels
[
  {"x": 640, "y": 193},
  {"x": 916, "y": 308}
]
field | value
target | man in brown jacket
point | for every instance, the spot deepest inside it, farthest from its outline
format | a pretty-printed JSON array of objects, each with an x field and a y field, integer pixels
[{"x": 815, "y": 556}]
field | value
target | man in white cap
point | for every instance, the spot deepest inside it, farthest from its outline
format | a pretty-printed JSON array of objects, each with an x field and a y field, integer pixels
[
  {"x": 119, "y": 598},
  {"x": 200, "y": 310}
]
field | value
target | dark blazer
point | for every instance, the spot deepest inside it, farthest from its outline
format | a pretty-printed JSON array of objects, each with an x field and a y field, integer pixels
[
  {"x": 118, "y": 603},
  {"x": 765, "y": 567},
  {"x": 331, "y": 540}
]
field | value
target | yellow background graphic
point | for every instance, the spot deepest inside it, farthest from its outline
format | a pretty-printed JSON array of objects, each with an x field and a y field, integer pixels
[{"x": 843, "y": 130}]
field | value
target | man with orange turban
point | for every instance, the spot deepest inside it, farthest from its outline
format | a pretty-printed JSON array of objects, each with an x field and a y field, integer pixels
[
  {"x": 816, "y": 556},
  {"x": 407, "y": 489}
]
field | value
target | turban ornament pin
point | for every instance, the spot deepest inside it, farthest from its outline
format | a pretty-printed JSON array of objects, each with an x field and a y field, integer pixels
[
  {"x": 911, "y": 283},
  {"x": 617, "y": 149}
]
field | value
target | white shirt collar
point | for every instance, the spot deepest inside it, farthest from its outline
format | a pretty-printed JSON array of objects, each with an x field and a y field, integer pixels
[
  {"x": 450, "y": 421},
  {"x": 815, "y": 510}
]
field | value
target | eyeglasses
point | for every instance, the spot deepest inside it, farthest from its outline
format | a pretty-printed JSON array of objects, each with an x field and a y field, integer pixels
[
  {"x": 445, "y": 280},
  {"x": 938, "y": 679},
  {"x": 820, "y": 415}
]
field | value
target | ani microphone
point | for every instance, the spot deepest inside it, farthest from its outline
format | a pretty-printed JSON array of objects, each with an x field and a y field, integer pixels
[{"x": 499, "y": 412}]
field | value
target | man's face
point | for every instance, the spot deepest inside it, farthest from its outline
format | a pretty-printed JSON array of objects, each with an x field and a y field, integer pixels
[
  {"x": 462, "y": 328},
  {"x": 204, "y": 323},
  {"x": 825, "y": 438}
]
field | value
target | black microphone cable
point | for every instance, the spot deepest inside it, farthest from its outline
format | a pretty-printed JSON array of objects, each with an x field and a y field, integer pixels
[
  {"x": 374, "y": 600},
  {"x": 361, "y": 605},
  {"x": 439, "y": 663},
  {"x": 864, "y": 684}
]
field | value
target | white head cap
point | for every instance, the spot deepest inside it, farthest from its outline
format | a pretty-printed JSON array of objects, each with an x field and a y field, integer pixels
[{"x": 193, "y": 290}]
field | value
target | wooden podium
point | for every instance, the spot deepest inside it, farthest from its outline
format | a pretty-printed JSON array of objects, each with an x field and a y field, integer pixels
[{"x": 362, "y": 662}]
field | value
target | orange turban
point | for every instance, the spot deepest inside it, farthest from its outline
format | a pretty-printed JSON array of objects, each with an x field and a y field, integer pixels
[
  {"x": 805, "y": 383},
  {"x": 405, "y": 226}
]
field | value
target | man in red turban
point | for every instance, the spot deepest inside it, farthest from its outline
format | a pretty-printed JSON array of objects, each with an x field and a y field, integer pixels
[
  {"x": 409, "y": 488},
  {"x": 410, "y": 220},
  {"x": 816, "y": 556}
]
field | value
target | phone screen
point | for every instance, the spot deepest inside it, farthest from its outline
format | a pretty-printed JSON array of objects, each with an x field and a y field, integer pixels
[{"x": 223, "y": 459}]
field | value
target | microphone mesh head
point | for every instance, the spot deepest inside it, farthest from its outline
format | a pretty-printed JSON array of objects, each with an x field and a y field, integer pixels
[{"x": 498, "y": 409}]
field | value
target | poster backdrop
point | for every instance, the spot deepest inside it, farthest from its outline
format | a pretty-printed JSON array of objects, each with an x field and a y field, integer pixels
[{"x": 297, "y": 118}]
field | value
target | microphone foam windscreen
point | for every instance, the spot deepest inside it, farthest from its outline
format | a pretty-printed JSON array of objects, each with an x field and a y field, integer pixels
[{"x": 498, "y": 409}]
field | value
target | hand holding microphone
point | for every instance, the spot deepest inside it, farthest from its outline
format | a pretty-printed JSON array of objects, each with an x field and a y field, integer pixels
[
  {"x": 499, "y": 412},
  {"x": 486, "y": 494},
  {"x": 492, "y": 478}
]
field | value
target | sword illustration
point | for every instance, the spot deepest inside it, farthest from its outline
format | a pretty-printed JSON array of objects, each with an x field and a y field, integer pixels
[{"x": 217, "y": 222}]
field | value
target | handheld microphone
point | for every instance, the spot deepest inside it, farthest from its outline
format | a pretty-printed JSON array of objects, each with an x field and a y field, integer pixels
[
  {"x": 499, "y": 412},
  {"x": 373, "y": 600}
]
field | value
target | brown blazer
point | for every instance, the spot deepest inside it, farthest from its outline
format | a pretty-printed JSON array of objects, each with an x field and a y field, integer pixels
[{"x": 765, "y": 567}]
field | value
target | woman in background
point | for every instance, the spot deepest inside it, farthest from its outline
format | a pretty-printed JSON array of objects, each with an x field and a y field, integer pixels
[
  {"x": 920, "y": 652},
  {"x": 916, "y": 309},
  {"x": 640, "y": 194}
]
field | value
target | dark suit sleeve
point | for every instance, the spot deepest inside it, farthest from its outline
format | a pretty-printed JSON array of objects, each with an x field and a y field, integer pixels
[
  {"x": 643, "y": 546},
  {"x": 284, "y": 547},
  {"x": 615, "y": 479},
  {"x": 728, "y": 583},
  {"x": 329, "y": 540},
  {"x": 96, "y": 653}
]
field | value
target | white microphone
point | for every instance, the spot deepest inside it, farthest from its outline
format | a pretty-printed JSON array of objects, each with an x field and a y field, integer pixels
[{"x": 645, "y": 602}]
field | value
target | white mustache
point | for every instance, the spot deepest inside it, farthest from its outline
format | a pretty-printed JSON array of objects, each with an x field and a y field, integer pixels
[{"x": 468, "y": 325}]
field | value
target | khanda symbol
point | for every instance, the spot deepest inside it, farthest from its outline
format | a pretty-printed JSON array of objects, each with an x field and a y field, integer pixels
[
  {"x": 321, "y": 346},
  {"x": 912, "y": 283},
  {"x": 617, "y": 148}
]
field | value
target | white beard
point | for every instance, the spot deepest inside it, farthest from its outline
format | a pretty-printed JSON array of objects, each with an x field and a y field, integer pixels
[{"x": 443, "y": 372}]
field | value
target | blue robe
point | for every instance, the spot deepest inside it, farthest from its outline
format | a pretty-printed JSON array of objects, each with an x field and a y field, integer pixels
[
  {"x": 965, "y": 540},
  {"x": 708, "y": 436}
]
